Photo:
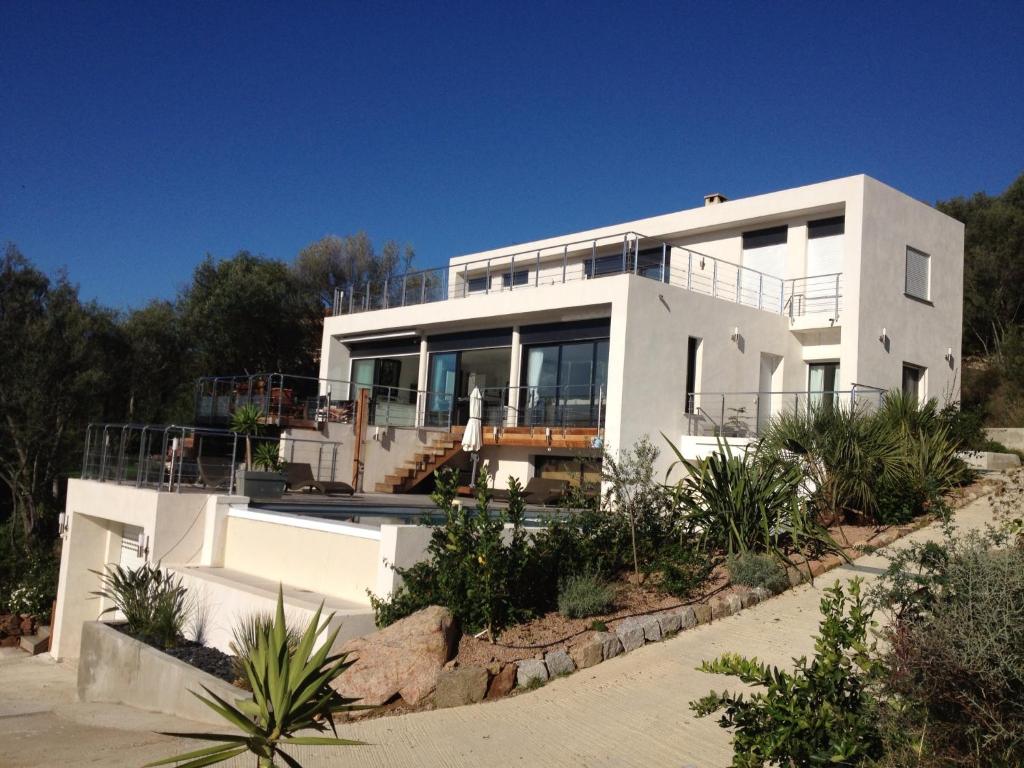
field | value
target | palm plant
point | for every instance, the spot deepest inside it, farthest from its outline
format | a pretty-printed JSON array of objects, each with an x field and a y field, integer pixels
[
  {"x": 247, "y": 420},
  {"x": 291, "y": 692},
  {"x": 844, "y": 453},
  {"x": 267, "y": 456},
  {"x": 748, "y": 502}
]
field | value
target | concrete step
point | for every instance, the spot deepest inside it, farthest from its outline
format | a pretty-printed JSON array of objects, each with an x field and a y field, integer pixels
[{"x": 37, "y": 643}]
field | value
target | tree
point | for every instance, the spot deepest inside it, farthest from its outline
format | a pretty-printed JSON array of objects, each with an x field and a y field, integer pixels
[
  {"x": 157, "y": 389},
  {"x": 248, "y": 314},
  {"x": 349, "y": 263},
  {"x": 62, "y": 359},
  {"x": 993, "y": 265}
]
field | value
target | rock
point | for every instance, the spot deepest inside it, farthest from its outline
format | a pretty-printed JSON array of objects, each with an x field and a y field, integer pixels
[
  {"x": 10, "y": 624},
  {"x": 405, "y": 658},
  {"x": 687, "y": 618},
  {"x": 451, "y": 664},
  {"x": 796, "y": 577},
  {"x": 559, "y": 663},
  {"x": 670, "y": 623},
  {"x": 630, "y": 634},
  {"x": 703, "y": 613},
  {"x": 457, "y": 687},
  {"x": 611, "y": 646},
  {"x": 588, "y": 653},
  {"x": 763, "y": 593},
  {"x": 37, "y": 643},
  {"x": 720, "y": 608},
  {"x": 530, "y": 671},
  {"x": 652, "y": 628},
  {"x": 748, "y": 599},
  {"x": 10, "y": 641},
  {"x": 503, "y": 682},
  {"x": 493, "y": 668}
]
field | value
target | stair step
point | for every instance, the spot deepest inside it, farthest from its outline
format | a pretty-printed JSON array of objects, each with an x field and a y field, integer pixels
[{"x": 37, "y": 643}]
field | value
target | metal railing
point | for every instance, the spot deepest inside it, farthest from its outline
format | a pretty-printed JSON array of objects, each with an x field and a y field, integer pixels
[
  {"x": 288, "y": 400},
  {"x": 746, "y": 414},
  {"x": 175, "y": 457},
  {"x": 281, "y": 398},
  {"x": 623, "y": 253}
]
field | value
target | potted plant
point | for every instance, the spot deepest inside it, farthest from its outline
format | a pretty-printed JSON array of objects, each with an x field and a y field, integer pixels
[{"x": 263, "y": 476}]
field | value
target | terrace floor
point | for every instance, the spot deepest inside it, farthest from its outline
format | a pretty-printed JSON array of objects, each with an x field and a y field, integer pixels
[{"x": 630, "y": 711}]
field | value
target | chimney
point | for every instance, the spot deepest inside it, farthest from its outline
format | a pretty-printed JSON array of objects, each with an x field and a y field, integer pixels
[{"x": 714, "y": 198}]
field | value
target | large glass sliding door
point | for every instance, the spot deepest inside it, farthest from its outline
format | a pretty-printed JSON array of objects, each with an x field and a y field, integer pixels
[
  {"x": 564, "y": 384},
  {"x": 454, "y": 375},
  {"x": 822, "y": 380}
]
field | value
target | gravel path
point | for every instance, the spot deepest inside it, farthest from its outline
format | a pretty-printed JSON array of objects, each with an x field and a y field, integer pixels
[{"x": 632, "y": 710}]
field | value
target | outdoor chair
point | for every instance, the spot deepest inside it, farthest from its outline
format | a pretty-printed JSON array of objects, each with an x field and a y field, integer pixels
[
  {"x": 214, "y": 472},
  {"x": 299, "y": 477}
]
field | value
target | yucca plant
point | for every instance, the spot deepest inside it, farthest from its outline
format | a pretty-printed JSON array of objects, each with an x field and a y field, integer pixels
[
  {"x": 291, "y": 692},
  {"x": 247, "y": 420},
  {"x": 748, "y": 502},
  {"x": 154, "y": 603},
  {"x": 267, "y": 456}
]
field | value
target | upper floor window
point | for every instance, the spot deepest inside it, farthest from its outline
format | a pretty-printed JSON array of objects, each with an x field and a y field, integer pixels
[
  {"x": 477, "y": 284},
  {"x": 918, "y": 274},
  {"x": 764, "y": 237},
  {"x": 519, "y": 277}
]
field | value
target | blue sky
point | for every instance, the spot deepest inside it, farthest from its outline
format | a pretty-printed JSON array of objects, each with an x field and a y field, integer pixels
[{"x": 137, "y": 137}]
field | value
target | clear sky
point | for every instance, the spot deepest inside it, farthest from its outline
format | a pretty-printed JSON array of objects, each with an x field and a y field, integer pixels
[{"x": 136, "y": 137}]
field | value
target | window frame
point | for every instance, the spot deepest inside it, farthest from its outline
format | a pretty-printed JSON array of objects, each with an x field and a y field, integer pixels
[{"x": 927, "y": 261}]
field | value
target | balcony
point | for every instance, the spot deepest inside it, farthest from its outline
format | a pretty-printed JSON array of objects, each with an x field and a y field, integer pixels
[
  {"x": 305, "y": 402},
  {"x": 746, "y": 414},
  {"x": 626, "y": 253}
]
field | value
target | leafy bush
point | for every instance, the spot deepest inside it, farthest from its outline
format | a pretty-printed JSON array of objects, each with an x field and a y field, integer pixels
[
  {"x": 584, "y": 595},
  {"x": 681, "y": 570},
  {"x": 821, "y": 713},
  {"x": 956, "y": 652},
  {"x": 470, "y": 568},
  {"x": 246, "y": 636},
  {"x": 752, "y": 569},
  {"x": 291, "y": 692},
  {"x": 154, "y": 603},
  {"x": 28, "y": 573}
]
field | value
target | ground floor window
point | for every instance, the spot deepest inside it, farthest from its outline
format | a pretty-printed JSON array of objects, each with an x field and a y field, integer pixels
[
  {"x": 913, "y": 380},
  {"x": 822, "y": 382}
]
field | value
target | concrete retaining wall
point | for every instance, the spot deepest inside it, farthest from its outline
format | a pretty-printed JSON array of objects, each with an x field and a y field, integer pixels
[
  {"x": 1011, "y": 437},
  {"x": 118, "y": 669}
]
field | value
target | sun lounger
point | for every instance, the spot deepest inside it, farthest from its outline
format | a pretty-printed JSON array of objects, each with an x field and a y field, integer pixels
[{"x": 299, "y": 477}]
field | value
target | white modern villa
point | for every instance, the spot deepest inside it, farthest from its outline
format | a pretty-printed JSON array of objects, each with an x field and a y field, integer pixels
[{"x": 698, "y": 325}]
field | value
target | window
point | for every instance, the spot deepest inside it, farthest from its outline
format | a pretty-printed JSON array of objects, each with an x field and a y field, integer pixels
[
  {"x": 764, "y": 251},
  {"x": 647, "y": 263},
  {"x": 913, "y": 380},
  {"x": 763, "y": 238},
  {"x": 822, "y": 379},
  {"x": 692, "y": 350},
  {"x": 564, "y": 383},
  {"x": 918, "y": 267},
  {"x": 477, "y": 284},
  {"x": 826, "y": 227},
  {"x": 521, "y": 277}
]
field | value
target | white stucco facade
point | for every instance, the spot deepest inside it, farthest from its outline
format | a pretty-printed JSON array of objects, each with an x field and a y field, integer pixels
[{"x": 744, "y": 277}]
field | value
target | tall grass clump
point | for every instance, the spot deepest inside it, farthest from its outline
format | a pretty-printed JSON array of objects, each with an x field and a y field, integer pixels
[
  {"x": 153, "y": 602},
  {"x": 584, "y": 595}
]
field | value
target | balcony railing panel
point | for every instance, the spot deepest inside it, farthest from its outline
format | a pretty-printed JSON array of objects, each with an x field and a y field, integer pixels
[{"x": 625, "y": 253}]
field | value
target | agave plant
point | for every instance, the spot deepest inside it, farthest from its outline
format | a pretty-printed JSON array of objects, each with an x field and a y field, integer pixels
[
  {"x": 246, "y": 636},
  {"x": 267, "y": 456},
  {"x": 291, "y": 692}
]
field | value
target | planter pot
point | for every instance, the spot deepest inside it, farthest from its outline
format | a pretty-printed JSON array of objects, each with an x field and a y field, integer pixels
[{"x": 259, "y": 485}]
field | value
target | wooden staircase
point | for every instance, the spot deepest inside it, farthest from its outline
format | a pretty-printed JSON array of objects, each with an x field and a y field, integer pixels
[
  {"x": 448, "y": 445},
  {"x": 422, "y": 464}
]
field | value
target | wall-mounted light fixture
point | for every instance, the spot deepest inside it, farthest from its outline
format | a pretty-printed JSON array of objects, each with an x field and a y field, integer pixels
[
  {"x": 62, "y": 523},
  {"x": 883, "y": 337},
  {"x": 142, "y": 545},
  {"x": 735, "y": 335},
  {"x": 949, "y": 355}
]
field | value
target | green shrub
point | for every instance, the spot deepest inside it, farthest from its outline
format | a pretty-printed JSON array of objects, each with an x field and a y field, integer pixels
[
  {"x": 154, "y": 603},
  {"x": 291, "y": 692},
  {"x": 470, "y": 568},
  {"x": 28, "y": 572},
  {"x": 748, "y": 502},
  {"x": 584, "y": 595},
  {"x": 246, "y": 636},
  {"x": 683, "y": 569},
  {"x": 758, "y": 570},
  {"x": 267, "y": 457},
  {"x": 819, "y": 714},
  {"x": 956, "y": 652}
]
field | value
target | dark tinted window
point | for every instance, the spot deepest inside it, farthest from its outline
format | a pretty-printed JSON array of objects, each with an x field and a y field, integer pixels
[
  {"x": 826, "y": 227},
  {"x": 762, "y": 237}
]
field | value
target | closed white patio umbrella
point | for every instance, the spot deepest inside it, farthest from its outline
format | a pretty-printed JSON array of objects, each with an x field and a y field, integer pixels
[{"x": 473, "y": 437}]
